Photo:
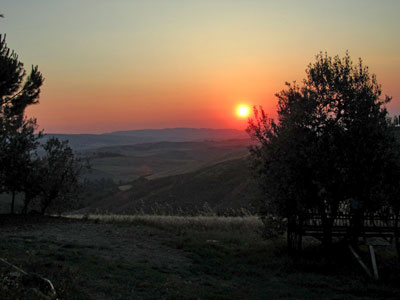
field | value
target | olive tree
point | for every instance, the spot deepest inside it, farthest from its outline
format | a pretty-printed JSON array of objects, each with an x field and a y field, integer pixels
[
  {"x": 331, "y": 147},
  {"x": 59, "y": 172}
]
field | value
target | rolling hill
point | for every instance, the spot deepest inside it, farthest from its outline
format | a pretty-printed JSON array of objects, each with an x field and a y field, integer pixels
[
  {"x": 154, "y": 160},
  {"x": 91, "y": 141},
  {"x": 156, "y": 166},
  {"x": 222, "y": 187}
]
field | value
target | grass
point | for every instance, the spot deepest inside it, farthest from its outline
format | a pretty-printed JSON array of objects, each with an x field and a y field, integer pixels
[
  {"x": 203, "y": 257},
  {"x": 246, "y": 224},
  {"x": 5, "y": 202}
]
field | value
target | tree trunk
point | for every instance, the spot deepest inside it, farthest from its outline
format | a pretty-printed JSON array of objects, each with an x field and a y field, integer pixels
[
  {"x": 44, "y": 207},
  {"x": 326, "y": 230},
  {"x": 294, "y": 235},
  {"x": 396, "y": 236},
  {"x": 26, "y": 203},
  {"x": 357, "y": 226},
  {"x": 291, "y": 244},
  {"x": 300, "y": 234},
  {"x": 12, "y": 202},
  {"x": 327, "y": 233}
]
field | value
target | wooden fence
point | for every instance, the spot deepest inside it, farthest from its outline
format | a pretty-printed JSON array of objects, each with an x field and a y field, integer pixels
[{"x": 347, "y": 226}]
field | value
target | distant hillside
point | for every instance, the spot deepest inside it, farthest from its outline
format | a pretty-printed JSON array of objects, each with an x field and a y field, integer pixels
[
  {"x": 154, "y": 160},
  {"x": 223, "y": 187},
  {"x": 185, "y": 134},
  {"x": 91, "y": 141}
]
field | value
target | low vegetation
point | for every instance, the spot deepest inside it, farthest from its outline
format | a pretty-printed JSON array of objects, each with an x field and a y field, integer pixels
[
  {"x": 225, "y": 188},
  {"x": 244, "y": 224},
  {"x": 206, "y": 257}
]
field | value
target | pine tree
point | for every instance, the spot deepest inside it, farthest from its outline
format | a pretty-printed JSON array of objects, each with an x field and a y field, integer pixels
[{"x": 17, "y": 132}]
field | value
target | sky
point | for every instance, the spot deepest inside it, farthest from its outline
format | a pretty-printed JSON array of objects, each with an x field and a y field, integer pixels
[{"x": 127, "y": 64}]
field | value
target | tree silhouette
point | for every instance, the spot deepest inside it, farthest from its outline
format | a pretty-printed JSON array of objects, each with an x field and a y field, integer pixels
[
  {"x": 396, "y": 120},
  {"x": 17, "y": 154},
  {"x": 17, "y": 133},
  {"x": 51, "y": 177},
  {"x": 59, "y": 172},
  {"x": 30, "y": 181},
  {"x": 332, "y": 146}
]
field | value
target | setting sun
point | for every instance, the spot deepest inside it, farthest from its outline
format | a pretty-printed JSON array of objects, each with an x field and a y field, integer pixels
[{"x": 243, "y": 111}]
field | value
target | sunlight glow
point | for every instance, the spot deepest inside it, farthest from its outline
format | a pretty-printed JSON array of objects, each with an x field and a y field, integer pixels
[{"x": 243, "y": 111}]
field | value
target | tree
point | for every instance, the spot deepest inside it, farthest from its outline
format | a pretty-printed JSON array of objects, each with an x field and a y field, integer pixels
[
  {"x": 18, "y": 151},
  {"x": 30, "y": 181},
  {"x": 52, "y": 177},
  {"x": 17, "y": 133},
  {"x": 396, "y": 121},
  {"x": 15, "y": 93},
  {"x": 331, "y": 148},
  {"x": 59, "y": 176}
]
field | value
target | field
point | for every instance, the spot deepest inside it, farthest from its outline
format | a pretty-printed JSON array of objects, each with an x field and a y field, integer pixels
[
  {"x": 166, "y": 257},
  {"x": 224, "y": 188},
  {"x": 215, "y": 172},
  {"x": 154, "y": 160}
]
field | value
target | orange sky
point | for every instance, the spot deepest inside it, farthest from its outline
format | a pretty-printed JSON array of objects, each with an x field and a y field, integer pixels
[{"x": 124, "y": 65}]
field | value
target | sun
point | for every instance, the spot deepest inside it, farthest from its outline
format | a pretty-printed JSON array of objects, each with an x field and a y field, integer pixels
[{"x": 243, "y": 111}]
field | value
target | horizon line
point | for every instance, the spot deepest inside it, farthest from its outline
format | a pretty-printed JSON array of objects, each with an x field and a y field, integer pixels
[{"x": 148, "y": 129}]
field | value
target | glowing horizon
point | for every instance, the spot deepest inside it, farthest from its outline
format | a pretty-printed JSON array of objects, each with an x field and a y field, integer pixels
[{"x": 127, "y": 65}]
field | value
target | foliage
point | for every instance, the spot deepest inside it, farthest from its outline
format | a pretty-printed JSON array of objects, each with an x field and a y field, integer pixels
[
  {"x": 18, "y": 162},
  {"x": 331, "y": 146},
  {"x": 53, "y": 177},
  {"x": 59, "y": 174},
  {"x": 274, "y": 226},
  {"x": 15, "y": 93},
  {"x": 17, "y": 138},
  {"x": 396, "y": 121}
]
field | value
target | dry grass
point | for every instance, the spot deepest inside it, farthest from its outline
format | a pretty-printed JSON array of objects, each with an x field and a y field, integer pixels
[
  {"x": 201, "y": 257},
  {"x": 198, "y": 223}
]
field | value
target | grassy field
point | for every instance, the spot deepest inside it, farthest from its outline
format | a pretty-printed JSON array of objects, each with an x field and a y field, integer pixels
[
  {"x": 224, "y": 187},
  {"x": 166, "y": 257}
]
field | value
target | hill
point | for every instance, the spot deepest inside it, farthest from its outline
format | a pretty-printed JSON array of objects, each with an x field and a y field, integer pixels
[
  {"x": 153, "y": 160},
  {"x": 114, "y": 166},
  {"x": 91, "y": 141},
  {"x": 221, "y": 188}
]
